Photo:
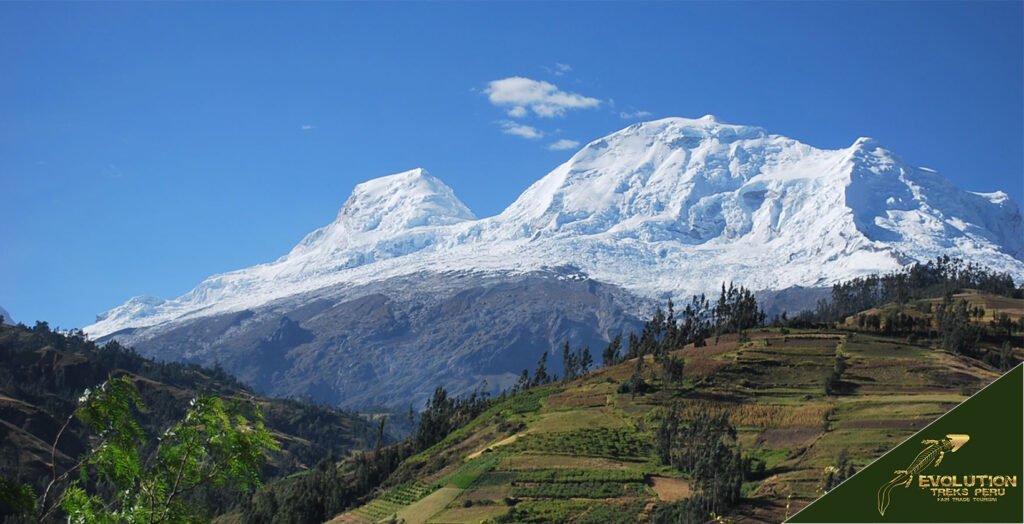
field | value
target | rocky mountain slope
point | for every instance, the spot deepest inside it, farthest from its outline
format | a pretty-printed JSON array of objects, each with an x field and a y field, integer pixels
[
  {"x": 391, "y": 343},
  {"x": 659, "y": 209}
]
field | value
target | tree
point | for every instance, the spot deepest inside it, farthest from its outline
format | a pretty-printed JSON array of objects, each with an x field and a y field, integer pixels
[
  {"x": 523, "y": 383},
  {"x": 1001, "y": 323},
  {"x": 217, "y": 443},
  {"x": 586, "y": 360},
  {"x": 569, "y": 363},
  {"x": 833, "y": 476},
  {"x": 610, "y": 355},
  {"x": 540, "y": 375},
  {"x": 705, "y": 448},
  {"x": 672, "y": 368},
  {"x": 1006, "y": 360}
]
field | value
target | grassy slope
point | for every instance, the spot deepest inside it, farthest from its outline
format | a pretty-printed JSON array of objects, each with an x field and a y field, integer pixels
[{"x": 582, "y": 452}]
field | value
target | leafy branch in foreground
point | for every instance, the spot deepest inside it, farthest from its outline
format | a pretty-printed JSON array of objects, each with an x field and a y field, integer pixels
[{"x": 217, "y": 443}]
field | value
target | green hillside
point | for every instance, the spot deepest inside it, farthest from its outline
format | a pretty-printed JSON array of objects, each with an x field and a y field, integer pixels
[
  {"x": 809, "y": 407},
  {"x": 43, "y": 373}
]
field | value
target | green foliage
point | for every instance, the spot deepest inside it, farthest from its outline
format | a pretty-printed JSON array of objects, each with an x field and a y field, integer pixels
[
  {"x": 575, "y": 363},
  {"x": 610, "y": 355},
  {"x": 468, "y": 474},
  {"x": 573, "y": 490},
  {"x": 591, "y": 442},
  {"x": 577, "y": 511},
  {"x": 933, "y": 279},
  {"x": 526, "y": 402},
  {"x": 544, "y": 511},
  {"x": 959, "y": 334},
  {"x": 16, "y": 499},
  {"x": 332, "y": 488},
  {"x": 580, "y": 475},
  {"x": 540, "y": 374},
  {"x": 49, "y": 371},
  {"x": 693, "y": 509},
  {"x": 217, "y": 443},
  {"x": 613, "y": 513},
  {"x": 833, "y": 381},
  {"x": 704, "y": 447},
  {"x": 444, "y": 414},
  {"x": 394, "y": 500},
  {"x": 835, "y": 475}
]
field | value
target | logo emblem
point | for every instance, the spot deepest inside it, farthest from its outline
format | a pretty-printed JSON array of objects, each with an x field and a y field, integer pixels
[{"x": 932, "y": 454}]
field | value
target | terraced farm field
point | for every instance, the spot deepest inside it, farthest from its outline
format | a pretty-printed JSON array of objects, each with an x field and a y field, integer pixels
[{"x": 583, "y": 452}]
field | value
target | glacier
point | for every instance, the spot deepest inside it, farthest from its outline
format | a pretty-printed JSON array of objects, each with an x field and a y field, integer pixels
[{"x": 665, "y": 208}]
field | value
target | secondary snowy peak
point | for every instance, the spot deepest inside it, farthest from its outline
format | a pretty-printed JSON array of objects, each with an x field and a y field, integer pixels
[
  {"x": 688, "y": 180},
  {"x": 387, "y": 216},
  {"x": 409, "y": 199},
  {"x": 393, "y": 204},
  {"x": 920, "y": 213}
]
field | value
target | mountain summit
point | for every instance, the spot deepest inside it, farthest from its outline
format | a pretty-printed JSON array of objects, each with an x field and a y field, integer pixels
[{"x": 668, "y": 207}]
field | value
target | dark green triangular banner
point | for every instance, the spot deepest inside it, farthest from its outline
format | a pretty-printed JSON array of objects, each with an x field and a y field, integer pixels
[{"x": 967, "y": 466}]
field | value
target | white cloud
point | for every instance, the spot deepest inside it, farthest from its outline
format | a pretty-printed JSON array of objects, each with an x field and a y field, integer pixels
[
  {"x": 517, "y": 112},
  {"x": 564, "y": 144},
  {"x": 633, "y": 115},
  {"x": 308, "y": 127},
  {"x": 521, "y": 130},
  {"x": 543, "y": 98},
  {"x": 561, "y": 69}
]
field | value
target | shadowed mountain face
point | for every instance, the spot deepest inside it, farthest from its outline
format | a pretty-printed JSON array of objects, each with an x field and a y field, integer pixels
[{"x": 394, "y": 342}]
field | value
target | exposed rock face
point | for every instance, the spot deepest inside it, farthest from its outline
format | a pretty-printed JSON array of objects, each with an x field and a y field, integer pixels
[{"x": 393, "y": 342}]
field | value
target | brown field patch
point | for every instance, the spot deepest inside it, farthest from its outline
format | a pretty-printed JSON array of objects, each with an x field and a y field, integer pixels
[
  {"x": 350, "y": 518},
  {"x": 701, "y": 367},
  {"x": 810, "y": 414},
  {"x": 495, "y": 493},
  {"x": 418, "y": 512},
  {"x": 590, "y": 395},
  {"x": 787, "y": 438},
  {"x": 670, "y": 489},
  {"x": 471, "y": 514},
  {"x": 908, "y": 424}
]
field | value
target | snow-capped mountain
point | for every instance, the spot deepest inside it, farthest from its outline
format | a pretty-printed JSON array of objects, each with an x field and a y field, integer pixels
[
  {"x": 668, "y": 207},
  {"x": 406, "y": 289}
]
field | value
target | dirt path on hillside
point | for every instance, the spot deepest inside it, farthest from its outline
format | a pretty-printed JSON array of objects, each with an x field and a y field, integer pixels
[{"x": 503, "y": 442}]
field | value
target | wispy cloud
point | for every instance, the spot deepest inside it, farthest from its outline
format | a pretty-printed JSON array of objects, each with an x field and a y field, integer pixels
[
  {"x": 521, "y": 130},
  {"x": 633, "y": 115},
  {"x": 308, "y": 127},
  {"x": 517, "y": 112},
  {"x": 564, "y": 144},
  {"x": 543, "y": 98},
  {"x": 560, "y": 69}
]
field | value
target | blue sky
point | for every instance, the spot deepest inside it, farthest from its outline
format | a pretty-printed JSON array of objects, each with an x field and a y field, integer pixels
[{"x": 145, "y": 146}]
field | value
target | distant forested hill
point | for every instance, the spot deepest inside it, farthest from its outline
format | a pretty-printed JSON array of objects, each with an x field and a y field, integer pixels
[{"x": 43, "y": 373}]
